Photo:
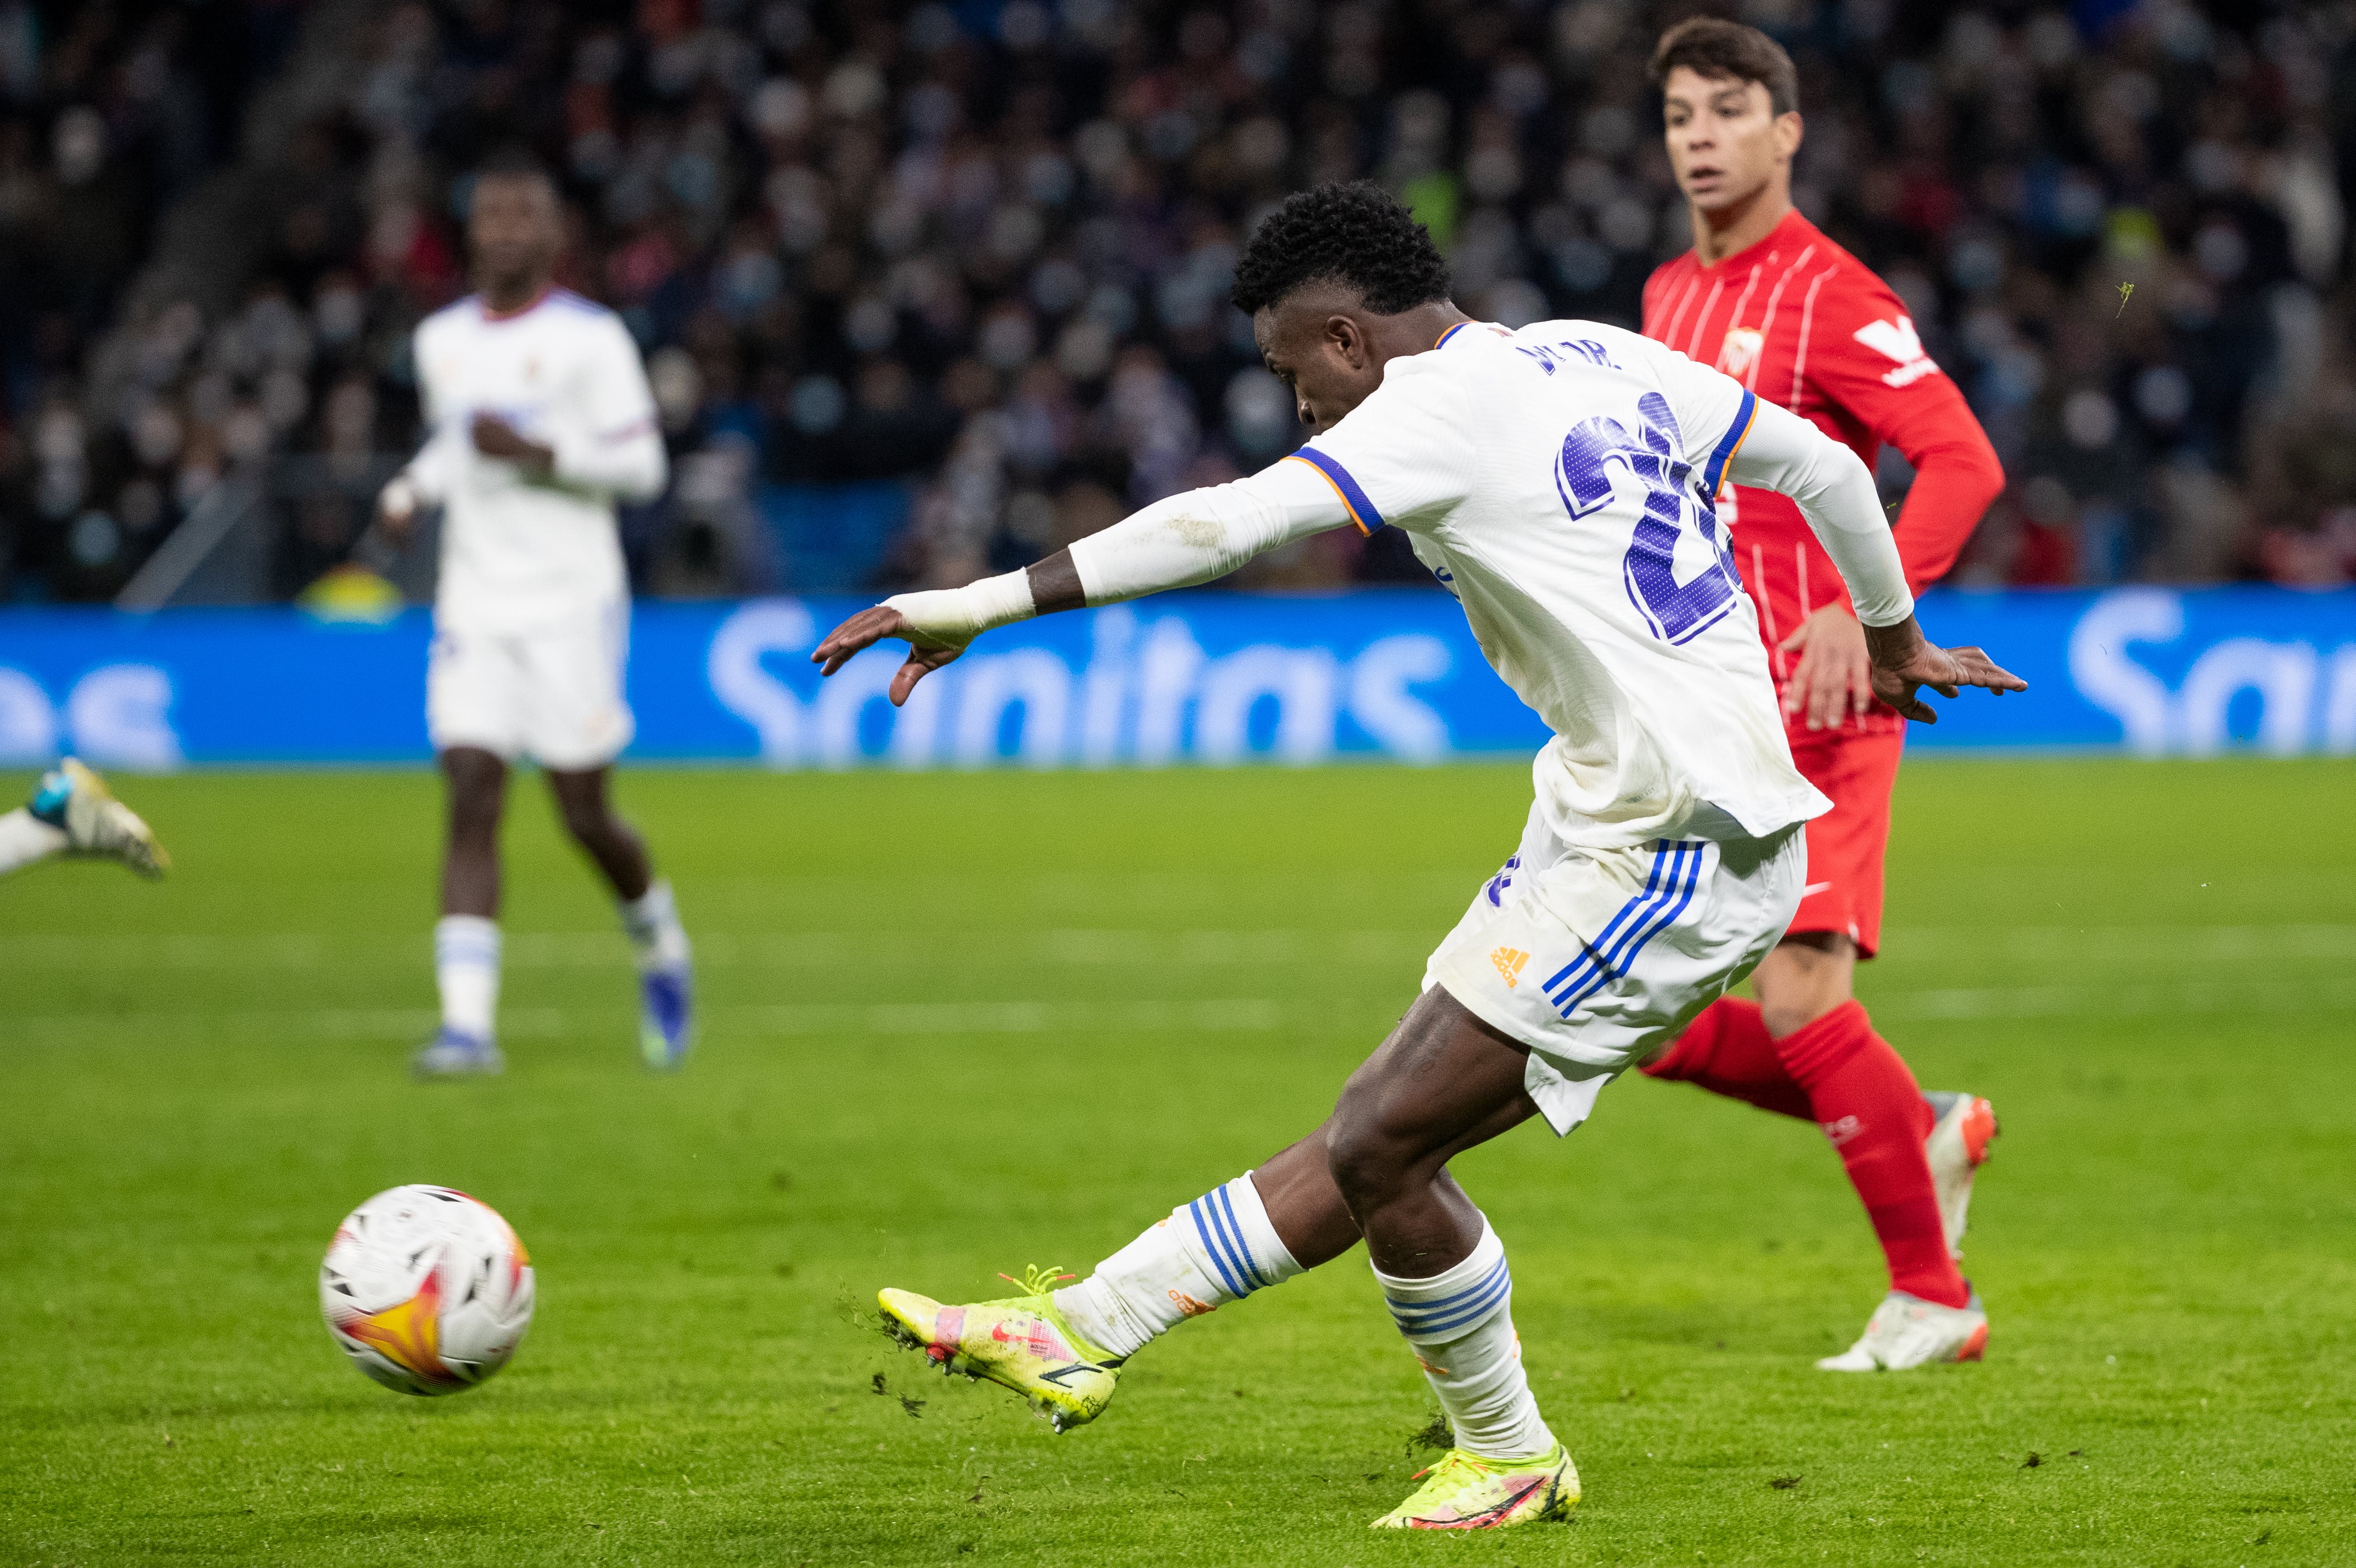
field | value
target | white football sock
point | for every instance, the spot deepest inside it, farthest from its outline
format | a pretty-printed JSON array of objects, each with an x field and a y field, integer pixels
[
  {"x": 651, "y": 921},
  {"x": 1462, "y": 1327},
  {"x": 1218, "y": 1249},
  {"x": 24, "y": 838},
  {"x": 466, "y": 962}
]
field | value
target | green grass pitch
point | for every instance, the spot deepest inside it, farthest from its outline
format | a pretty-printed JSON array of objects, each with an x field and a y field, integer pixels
[{"x": 958, "y": 1024}]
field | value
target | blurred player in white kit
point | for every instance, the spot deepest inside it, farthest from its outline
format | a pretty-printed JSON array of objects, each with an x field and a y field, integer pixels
[{"x": 538, "y": 419}]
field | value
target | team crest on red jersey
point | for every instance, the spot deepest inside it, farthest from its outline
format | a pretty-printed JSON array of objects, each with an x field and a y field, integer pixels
[{"x": 1740, "y": 350}]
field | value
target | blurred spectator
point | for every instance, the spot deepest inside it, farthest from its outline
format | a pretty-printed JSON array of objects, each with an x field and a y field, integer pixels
[
  {"x": 983, "y": 251},
  {"x": 108, "y": 114}
]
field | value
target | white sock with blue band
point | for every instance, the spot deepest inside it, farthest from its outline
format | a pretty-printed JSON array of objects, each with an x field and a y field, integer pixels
[
  {"x": 466, "y": 968},
  {"x": 24, "y": 838},
  {"x": 1461, "y": 1325},
  {"x": 651, "y": 923},
  {"x": 1219, "y": 1248}
]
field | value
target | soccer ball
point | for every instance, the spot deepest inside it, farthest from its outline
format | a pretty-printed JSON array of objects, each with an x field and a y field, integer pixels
[{"x": 426, "y": 1289}]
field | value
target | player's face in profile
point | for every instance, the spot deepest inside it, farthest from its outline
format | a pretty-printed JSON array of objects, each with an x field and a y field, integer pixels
[
  {"x": 1725, "y": 140},
  {"x": 511, "y": 227},
  {"x": 1319, "y": 353}
]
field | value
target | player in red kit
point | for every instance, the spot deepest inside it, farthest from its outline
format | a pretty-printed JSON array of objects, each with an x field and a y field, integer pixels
[{"x": 1766, "y": 297}]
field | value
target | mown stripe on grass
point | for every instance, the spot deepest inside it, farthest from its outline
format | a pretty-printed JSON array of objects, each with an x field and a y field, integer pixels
[
  {"x": 1280, "y": 944},
  {"x": 1219, "y": 1014},
  {"x": 2197, "y": 997}
]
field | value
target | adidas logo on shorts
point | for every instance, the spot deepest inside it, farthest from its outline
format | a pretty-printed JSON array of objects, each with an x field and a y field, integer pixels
[{"x": 1509, "y": 962}]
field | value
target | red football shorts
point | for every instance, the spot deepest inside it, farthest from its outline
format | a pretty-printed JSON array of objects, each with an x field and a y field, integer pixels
[{"x": 1845, "y": 844}]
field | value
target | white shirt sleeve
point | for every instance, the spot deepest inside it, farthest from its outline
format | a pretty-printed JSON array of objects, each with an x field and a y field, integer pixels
[
  {"x": 1203, "y": 535},
  {"x": 1836, "y": 493},
  {"x": 1710, "y": 410},
  {"x": 618, "y": 448},
  {"x": 1397, "y": 458},
  {"x": 428, "y": 473},
  {"x": 1404, "y": 455},
  {"x": 1730, "y": 434}
]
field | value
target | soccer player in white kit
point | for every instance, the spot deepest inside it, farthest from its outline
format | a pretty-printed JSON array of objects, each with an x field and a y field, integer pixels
[
  {"x": 539, "y": 420},
  {"x": 1559, "y": 481}
]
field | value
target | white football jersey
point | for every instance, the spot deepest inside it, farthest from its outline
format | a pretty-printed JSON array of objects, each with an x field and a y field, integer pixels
[
  {"x": 520, "y": 552},
  {"x": 1558, "y": 480}
]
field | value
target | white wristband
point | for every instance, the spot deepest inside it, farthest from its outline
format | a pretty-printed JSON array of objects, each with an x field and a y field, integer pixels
[{"x": 961, "y": 614}]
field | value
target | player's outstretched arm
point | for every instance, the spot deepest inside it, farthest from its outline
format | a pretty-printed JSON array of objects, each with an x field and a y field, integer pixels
[
  {"x": 1836, "y": 494},
  {"x": 1186, "y": 539}
]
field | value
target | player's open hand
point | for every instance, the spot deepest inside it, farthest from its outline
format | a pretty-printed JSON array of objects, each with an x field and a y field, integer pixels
[
  {"x": 396, "y": 511},
  {"x": 1904, "y": 660},
  {"x": 864, "y": 630},
  {"x": 1834, "y": 678}
]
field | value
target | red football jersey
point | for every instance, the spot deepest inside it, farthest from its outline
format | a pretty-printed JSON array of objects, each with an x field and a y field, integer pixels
[{"x": 1803, "y": 323}]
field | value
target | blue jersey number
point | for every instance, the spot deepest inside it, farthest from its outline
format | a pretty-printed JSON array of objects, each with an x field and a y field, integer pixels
[{"x": 1676, "y": 611}]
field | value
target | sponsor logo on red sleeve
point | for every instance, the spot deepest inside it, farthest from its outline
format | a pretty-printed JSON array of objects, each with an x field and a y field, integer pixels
[{"x": 1897, "y": 340}]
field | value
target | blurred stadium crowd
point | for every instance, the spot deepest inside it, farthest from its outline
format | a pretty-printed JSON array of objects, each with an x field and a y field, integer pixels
[{"x": 931, "y": 290}]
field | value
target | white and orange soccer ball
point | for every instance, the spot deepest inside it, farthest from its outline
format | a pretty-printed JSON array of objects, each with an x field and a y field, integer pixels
[{"x": 427, "y": 1290}]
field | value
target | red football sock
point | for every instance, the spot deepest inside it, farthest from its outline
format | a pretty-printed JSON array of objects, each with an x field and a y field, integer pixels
[
  {"x": 1870, "y": 1106},
  {"x": 1727, "y": 1050}
]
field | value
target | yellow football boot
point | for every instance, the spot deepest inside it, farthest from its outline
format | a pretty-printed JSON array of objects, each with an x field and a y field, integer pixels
[
  {"x": 1467, "y": 1491},
  {"x": 1022, "y": 1343},
  {"x": 73, "y": 797}
]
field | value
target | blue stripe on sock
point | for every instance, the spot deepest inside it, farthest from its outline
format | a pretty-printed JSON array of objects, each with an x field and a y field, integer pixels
[
  {"x": 1419, "y": 1316},
  {"x": 1473, "y": 1288},
  {"x": 1466, "y": 1317},
  {"x": 1243, "y": 1248},
  {"x": 1498, "y": 1276},
  {"x": 1226, "y": 1239},
  {"x": 1211, "y": 1245},
  {"x": 1426, "y": 1318}
]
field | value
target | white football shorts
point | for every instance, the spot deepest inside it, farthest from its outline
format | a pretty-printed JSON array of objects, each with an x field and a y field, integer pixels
[
  {"x": 1596, "y": 958},
  {"x": 553, "y": 694}
]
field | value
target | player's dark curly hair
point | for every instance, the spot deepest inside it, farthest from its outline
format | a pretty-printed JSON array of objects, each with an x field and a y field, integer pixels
[
  {"x": 1353, "y": 234},
  {"x": 1721, "y": 50}
]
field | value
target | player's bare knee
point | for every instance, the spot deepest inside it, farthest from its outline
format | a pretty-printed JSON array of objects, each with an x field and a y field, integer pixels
[
  {"x": 1798, "y": 1006},
  {"x": 1366, "y": 1161},
  {"x": 476, "y": 793},
  {"x": 1788, "y": 1008},
  {"x": 586, "y": 810},
  {"x": 1368, "y": 1168},
  {"x": 1806, "y": 977},
  {"x": 1373, "y": 1151},
  {"x": 588, "y": 821}
]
